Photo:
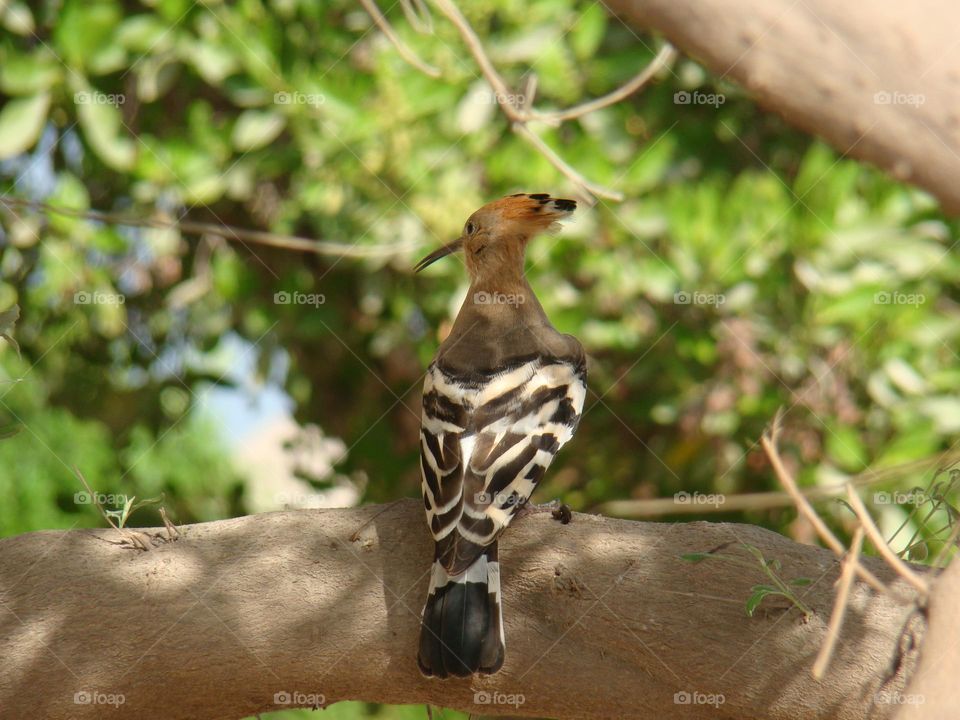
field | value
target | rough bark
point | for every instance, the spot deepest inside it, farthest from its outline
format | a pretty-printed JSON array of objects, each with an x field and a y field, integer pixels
[
  {"x": 603, "y": 619},
  {"x": 844, "y": 71}
]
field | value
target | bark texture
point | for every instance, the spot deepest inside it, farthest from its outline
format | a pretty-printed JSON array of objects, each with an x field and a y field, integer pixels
[
  {"x": 878, "y": 79},
  {"x": 603, "y": 620}
]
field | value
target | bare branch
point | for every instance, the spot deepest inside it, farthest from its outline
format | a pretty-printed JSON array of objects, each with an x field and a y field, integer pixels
[
  {"x": 878, "y": 542},
  {"x": 518, "y": 116},
  {"x": 663, "y": 59},
  {"x": 850, "y": 564},
  {"x": 658, "y": 507},
  {"x": 228, "y": 232},
  {"x": 405, "y": 52},
  {"x": 560, "y": 164},
  {"x": 769, "y": 443},
  {"x": 284, "y": 603}
]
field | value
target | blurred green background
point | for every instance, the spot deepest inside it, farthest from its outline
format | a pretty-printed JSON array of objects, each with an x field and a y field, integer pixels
[{"x": 750, "y": 267}]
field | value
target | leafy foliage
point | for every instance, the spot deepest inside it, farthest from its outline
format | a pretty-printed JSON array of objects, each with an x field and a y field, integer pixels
[{"x": 750, "y": 266}]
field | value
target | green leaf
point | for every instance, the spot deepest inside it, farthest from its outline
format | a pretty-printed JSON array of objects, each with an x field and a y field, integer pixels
[
  {"x": 17, "y": 18},
  {"x": 102, "y": 125},
  {"x": 29, "y": 74},
  {"x": 21, "y": 121},
  {"x": 84, "y": 29},
  {"x": 587, "y": 34},
  {"x": 695, "y": 557},
  {"x": 257, "y": 128},
  {"x": 845, "y": 447},
  {"x": 801, "y": 581},
  {"x": 8, "y": 319},
  {"x": 759, "y": 593}
]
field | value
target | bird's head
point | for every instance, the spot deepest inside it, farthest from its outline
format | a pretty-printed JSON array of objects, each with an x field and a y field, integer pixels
[{"x": 495, "y": 236}]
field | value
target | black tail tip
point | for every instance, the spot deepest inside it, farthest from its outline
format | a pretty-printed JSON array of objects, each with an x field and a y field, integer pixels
[{"x": 460, "y": 631}]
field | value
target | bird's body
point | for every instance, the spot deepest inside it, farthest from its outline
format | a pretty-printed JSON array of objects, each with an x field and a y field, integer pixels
[{"x": 503, "y": 394}]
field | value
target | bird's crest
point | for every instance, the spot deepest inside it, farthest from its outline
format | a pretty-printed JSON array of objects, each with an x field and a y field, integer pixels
[{"x": 540, "y": 210}]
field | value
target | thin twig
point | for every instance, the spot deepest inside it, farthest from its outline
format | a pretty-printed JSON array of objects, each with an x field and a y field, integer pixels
[
  {"x": 769, "y": 443},
  {"x": 405, "y": 52},
  {"x": 663, "y": 59},
  {"x": 480, "y": 55},
  {"x": 518, "y": 115},
  {"x": 850, "y": 564},
  {"x": 228, "y": 232},
  {"x": 419, "y": 16},
  {"x": 563, "y": 166},
  {"x": 770, "y": 500},
  {"x": 886, "y": 553}
]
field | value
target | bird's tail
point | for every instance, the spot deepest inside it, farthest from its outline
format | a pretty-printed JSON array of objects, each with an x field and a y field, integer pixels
[{"x": 461, "y": 629}]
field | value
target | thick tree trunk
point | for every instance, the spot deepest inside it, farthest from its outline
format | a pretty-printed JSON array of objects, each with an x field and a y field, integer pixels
[
  {"x": 603, "y": 620},
  {"x": 878, "y": 79}
]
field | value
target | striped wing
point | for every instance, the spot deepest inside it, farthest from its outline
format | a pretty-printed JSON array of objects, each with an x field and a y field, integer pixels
[{"x": 485, "y": 442}]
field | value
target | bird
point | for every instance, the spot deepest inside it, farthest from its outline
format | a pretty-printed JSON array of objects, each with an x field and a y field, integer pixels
[{"x": 503, "y": 394}]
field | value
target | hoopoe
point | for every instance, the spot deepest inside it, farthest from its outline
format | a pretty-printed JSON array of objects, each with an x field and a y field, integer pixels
[{"x": 503, "y": 394}]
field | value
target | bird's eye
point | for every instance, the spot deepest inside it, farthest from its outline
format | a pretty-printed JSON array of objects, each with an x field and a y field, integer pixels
[{"x": 470, "y": 228}]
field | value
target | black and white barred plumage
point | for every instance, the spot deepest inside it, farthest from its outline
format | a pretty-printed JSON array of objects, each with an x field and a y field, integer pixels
[
  {"x": 503, "y": 395},
  {"x": 486, "y": 441}
]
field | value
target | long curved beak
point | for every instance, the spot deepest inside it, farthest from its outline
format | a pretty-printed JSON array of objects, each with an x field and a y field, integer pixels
[{"x": 439, "y": 253}]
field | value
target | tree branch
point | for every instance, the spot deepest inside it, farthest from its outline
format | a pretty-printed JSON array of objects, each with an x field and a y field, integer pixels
[
  {"x": 603, "y": 619},
  {"x": 876, "y": 79}
]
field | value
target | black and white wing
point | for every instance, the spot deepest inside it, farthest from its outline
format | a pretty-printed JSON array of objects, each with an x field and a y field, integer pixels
[{"x": 486, "y": 441}]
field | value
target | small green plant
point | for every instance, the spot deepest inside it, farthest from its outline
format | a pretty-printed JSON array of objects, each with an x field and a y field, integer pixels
[
  {"x": 117, "y": 519},
  {"x": 771, "y": 568},
  {"x": 934, "y": 499}
]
